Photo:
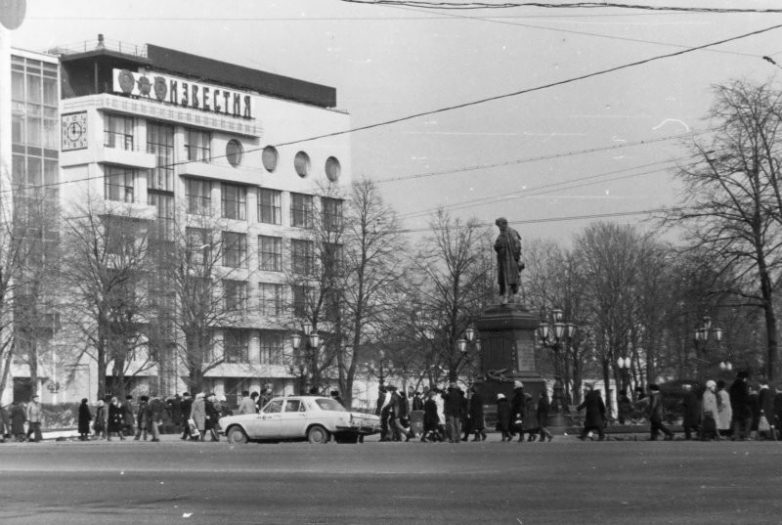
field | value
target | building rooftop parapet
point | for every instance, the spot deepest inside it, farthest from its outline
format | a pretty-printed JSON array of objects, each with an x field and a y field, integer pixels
[{"x": 101, "y": 45}]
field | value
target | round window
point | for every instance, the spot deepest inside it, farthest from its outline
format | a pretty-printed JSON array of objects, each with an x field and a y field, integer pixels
[
  {"x": 269, "y": 158},
  {"x": 333, "y": 169},
  {"x": 302, "y": 164},
  {"x": 234, "y": 152}
]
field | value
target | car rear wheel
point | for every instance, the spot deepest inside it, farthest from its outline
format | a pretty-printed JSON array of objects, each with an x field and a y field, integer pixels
[
  {"x": 236, "y": 435},
  {"x": 317, "y": 434}
]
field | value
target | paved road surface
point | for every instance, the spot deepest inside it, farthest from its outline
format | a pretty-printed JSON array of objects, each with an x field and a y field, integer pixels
[{"x": 563, "y": 482}]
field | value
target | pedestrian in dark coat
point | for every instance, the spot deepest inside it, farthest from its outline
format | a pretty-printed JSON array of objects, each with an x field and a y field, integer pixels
[
  {"x": 85, "y": 416},
  {"x": 741, "y": 422},
  {"x": 542, "y": 412},
  {"x": 212, "y": 417},
  {"x": 531, "y": 427},
  {"x": 691, "y": 407},
  {"x": 142, "y": 419},
  {"x": 128, "y": 417},
  {"x": 595, "y": 413},
  {"x": 504, "y": 417},
  {"x": 116, "y": 419},
  {"x": 431, "y": 419},
  {"x": 766, "y": 404},
  {"x": 518, "y": 408},
  {"x": 185, "y": 405},
  {"x": 453, "y": 413},
  {"x": 99, "y": 426},
  {"x": 5, "y": 424},
  {"x": 476, "y": 415},
  {"x": 656, "y": 414},
  {"x": 18, "y": 419}
]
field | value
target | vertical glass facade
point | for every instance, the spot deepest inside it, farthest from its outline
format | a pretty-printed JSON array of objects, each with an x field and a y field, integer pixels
[{"x": 35, "y": 129}]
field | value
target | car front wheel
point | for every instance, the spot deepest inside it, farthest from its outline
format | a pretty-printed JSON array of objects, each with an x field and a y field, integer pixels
[
  {"x": 317, "y": 434},
  {"x": 236, "y": 435}
]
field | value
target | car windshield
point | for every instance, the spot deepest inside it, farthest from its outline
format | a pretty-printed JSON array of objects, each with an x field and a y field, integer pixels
[{"x": 330, "y": 404}]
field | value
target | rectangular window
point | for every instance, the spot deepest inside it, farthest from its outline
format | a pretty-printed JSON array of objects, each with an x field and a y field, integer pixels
[
  {"x": 272, "y": 348},
  {"x": 301, "y": 210},
  {"x": 235, "y": 346},
  {"x": 160, "y": 141},
  {"x": 235, "y": 294},
  {"x": 198, "y": 145},
  {"x": 269, "y": 207},
  {"x": 199, "y": 249},
  {"x": 121, "y": 236},
  {"x": 234, "y": 250},
  {"x": 302, "y": 257},
  {"x": 118, "y": 132},
  {"x": 199, "y": 196},
  {"x": 270, "y": 253},
  {"x": 332, "y": 259},
  {"x": 331, "y": 214},
  {"x": 234, "y": 202},
  {"x": 118, "y": 184},
  {"x": 300, "y": 300},
  {"x": 271, "y": 299}
]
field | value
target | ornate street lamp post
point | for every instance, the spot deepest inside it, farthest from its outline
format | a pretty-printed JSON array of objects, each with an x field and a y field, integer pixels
[
  {"x": 557, "y": 336},
  {"x": 312, "y": 341},
  {"x": 463, "y": 344},
  {"x": 703, "y": 334}
]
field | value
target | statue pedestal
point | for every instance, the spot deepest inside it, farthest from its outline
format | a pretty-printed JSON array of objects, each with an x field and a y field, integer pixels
[{"x": 507, "y": 333}]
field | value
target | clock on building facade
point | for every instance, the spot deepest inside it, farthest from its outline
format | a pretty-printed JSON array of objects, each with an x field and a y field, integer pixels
[{"x": 74, "y": 131}]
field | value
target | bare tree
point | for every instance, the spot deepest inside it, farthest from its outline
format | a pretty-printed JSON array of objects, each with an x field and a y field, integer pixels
[
  {"x": 373, "y": 267},
  {"x": 105, "y": 269},
  {"x": 733, "y": 203},
  {"x": 455, "y": 267},
  {"x": 28, "y": 260}
]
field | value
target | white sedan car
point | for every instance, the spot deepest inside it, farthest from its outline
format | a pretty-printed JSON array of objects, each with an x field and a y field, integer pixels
[{"x": 314, "y": 418}]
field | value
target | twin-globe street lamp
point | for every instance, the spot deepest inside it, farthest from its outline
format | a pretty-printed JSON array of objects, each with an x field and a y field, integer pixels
[
  {"x": 557, "y": 335},
  {"x": 701, "y": 339},
  {"x": 312, "y": 340},
  {"x": 461, "y": 345}
]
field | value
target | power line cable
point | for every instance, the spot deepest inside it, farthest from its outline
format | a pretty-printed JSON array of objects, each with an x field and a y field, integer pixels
[
  {"x": 552, "y": 156},
  {"x": 549, "y": 188},
  {"x": 532, "y": 89},
  {"x": 583, "y": 33},
  {"x": 565, "y": 5}
]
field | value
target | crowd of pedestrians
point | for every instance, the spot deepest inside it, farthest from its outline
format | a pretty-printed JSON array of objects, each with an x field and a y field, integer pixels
[{"x": 741, "y": 411}]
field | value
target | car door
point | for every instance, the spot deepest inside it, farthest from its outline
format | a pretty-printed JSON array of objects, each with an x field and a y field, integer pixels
[
  {"x": 269, "y": 420},
  {"x": 294, "y": 419}
]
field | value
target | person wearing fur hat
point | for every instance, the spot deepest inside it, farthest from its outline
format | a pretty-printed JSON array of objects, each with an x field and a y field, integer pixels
[
  {"x": 453, "y": 413},
  {"x": 503, "y": 418},
  {"x": 431, "y": 420},
  {"x": 518, "y": 406},
  {"x": 85, "y": 416},
  {"x": 115, "y": 419}
]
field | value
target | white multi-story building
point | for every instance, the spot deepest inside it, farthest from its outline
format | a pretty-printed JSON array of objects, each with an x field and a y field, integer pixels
[{"x": 178, "y": 141}]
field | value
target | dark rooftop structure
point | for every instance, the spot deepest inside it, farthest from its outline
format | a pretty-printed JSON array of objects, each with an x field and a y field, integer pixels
[{"x": 87, "y": 70}]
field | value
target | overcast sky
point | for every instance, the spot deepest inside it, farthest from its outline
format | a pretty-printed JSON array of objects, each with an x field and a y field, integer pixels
[{"x": 599, "y": 145}]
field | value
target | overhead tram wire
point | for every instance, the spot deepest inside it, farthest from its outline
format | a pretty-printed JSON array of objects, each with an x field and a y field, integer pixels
[
  {"x": 539, "y": 158},
  {"x": 534, "y": 89},
  {"x": 549, "y": 188},
  {"x": 487, "y": 99},
  {"x": 560, "y": 5},
  {"x": 564, "y": 218},
  {"x": 494, "y": 20}
]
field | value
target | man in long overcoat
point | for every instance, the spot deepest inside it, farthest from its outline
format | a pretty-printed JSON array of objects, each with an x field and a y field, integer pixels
[
  {"x": 692, "y": 412},
  {"x": 476, "y": 415},
  {"x": 509, "y": 265},
  {"x": 594, "y": 419}
]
